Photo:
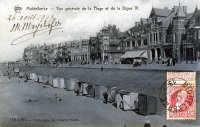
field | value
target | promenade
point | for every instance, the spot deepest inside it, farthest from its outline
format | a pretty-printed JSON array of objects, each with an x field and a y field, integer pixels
[{"x": 195, "y": 66}]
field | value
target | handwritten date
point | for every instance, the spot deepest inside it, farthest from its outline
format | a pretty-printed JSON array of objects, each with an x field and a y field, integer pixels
[{"x": 37, "y": 24}]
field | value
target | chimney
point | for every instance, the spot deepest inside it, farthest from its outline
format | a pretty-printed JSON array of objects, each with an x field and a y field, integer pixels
[
  {"x": 185, "y": 9},
  {"x": 141, "y": 21}
]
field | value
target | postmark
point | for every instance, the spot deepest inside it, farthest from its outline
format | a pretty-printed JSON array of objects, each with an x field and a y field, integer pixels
[{"x": 181, "y": 96}]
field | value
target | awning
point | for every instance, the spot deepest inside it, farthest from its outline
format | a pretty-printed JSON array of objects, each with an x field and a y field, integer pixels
[{"x": 135, "y": 54}]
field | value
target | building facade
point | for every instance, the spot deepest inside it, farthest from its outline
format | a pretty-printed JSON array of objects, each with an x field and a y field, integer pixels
[
  {"x": 80, "y": 51},
  {"x": 30, "y": 55},
  {"x": 165, "y": 34},
  {"x": 193, "y": 36},
  {"x": 107, "y": 46}
]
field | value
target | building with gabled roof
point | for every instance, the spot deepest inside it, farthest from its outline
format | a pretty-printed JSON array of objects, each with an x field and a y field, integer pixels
[
  {"x": 107, "y": 46},
  {"x": 160, "y": 12},
  {"x": 193, "y": 35},
  {"x": 164, "y": 34}
]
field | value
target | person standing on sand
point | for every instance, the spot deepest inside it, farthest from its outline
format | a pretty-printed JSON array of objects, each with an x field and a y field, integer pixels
[
  {"x": 147, "y": 122},
  {"x": 8, "y": 75},
  {"x": 105, "y": 97}
]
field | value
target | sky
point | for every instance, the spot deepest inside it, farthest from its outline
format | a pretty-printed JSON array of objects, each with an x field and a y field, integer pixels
[{"x": 75, "y": 25}]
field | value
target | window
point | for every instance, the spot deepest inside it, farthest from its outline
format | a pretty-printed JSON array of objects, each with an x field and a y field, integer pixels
[
  {"x": 145, "y": 42},
  {"x": 156, "y": 37},
  {"x": 199, "y": 34},
  {"x": 195, "y": 35},
  {"x": 150, "y": 37},
  {"x": 105, "y": 47},
  {"x": 160, "y": 36},
  {"x": 133, "y": 43},
  {"x": 128, "y": 44},
  {"x": 118, "y": 47},
  {"x": 139, "y": 42},
  {"x": 181, "y": 22}
]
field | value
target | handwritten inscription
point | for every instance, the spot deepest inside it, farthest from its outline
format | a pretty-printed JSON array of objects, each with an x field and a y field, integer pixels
[{"x": 36, "y": 23}]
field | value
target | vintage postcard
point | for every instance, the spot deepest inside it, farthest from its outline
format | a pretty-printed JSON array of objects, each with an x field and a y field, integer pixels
[{"x": 99, "y": 63}]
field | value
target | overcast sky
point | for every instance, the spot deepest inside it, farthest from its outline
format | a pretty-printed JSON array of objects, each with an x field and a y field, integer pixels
[{"x": 75, "y": 24}]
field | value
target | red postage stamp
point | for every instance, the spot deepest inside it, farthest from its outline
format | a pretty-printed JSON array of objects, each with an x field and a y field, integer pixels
[{"x": 181, "y": 96}]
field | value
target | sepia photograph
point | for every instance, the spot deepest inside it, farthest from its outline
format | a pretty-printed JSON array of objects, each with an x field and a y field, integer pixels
[{"x": 100, "y": 63}]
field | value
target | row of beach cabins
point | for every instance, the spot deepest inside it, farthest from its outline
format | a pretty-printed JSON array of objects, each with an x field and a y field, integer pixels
[{"x": 127, "y": 101}]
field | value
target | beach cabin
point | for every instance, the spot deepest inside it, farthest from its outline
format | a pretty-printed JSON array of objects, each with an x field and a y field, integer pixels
[
  {"x": 127, "y": 100},
  {"x": 112, "y": 94},
  {"x": 99, "y": 91},
  {"x": 45, "y": 79},
  {"x": 50, "y": 80},
  {"x": 90, "y": 90},
  {"x": 62, "y": 83},
  {"x": 130, "y": 101},
  {"x": 55, "y": 82},
  {"x": 78, "y": 87},
  {"x": 40, "y": 78},
  {"x": 35, "y": 77},
  {"x": 81, "y": 88},
  {"x": 71, "y": 84},
  {"x": 119, "y": 98},
  {"x": 147, "y": 104},
  {"x": 31, "y": 76}
]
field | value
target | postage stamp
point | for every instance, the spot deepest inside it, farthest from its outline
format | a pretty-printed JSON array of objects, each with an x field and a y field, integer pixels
[{"x": 181, "y": 96}]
